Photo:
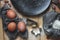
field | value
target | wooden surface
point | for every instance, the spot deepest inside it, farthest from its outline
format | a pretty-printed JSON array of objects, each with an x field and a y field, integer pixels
[
  {"x": 1, "y": 30},
  {"x": 1, "y": 27},
  {"x": 39, "y": 19}
]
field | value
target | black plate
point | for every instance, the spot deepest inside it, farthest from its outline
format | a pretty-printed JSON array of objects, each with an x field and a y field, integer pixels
[{"x": 31, "y": 7}]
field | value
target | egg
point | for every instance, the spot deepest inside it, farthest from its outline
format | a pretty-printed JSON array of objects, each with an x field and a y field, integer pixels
[
  {"x": 21, "y": 26},
  {"x": 11, "y": 26},
  {"x": 11, "y": 14}
]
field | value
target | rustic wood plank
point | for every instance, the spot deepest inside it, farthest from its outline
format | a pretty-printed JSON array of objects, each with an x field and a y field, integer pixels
[
  {"x": 1, "y": 27},
  {"x": 38, "y": 19},
  {"x": 1, "y": 30}
]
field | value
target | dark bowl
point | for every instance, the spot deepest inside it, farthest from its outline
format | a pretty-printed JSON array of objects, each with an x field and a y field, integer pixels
[{"x": 31, "y": 7}]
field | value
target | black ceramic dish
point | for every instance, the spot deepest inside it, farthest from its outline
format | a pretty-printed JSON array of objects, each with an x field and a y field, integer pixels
[
  {"x": 24, "y": 34},
  {"x": 49, "y": 19},
  {"x": 31, "y": 7},
  {"x": 6, "y": 21}
]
